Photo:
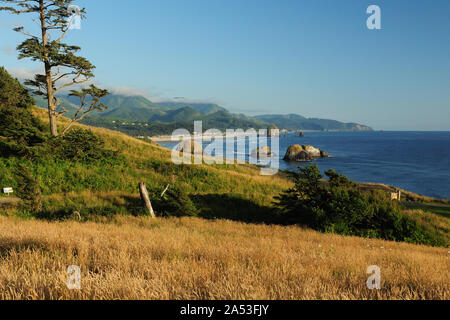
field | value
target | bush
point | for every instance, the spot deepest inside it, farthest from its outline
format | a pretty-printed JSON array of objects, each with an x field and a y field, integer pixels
[
  {"x": 340, "y": 206},
  {"x": 174, "y": 203},
  {"x": 28, "y": 190},
  {"x": 80, "y": 145}
]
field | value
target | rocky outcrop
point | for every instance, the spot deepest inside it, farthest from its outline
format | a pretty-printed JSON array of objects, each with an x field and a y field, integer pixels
[
  {"x": 190, "y": 146},
  {"x": 324, "y": 154},
  {"x": 304, "y": 153},
  {"x": 263, "y": 152}
]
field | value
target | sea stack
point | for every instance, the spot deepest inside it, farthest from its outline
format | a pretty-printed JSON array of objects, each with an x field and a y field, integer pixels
[{"x": 304, "y": 153}]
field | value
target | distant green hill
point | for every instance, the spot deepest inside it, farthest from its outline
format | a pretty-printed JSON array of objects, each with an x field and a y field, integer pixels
[
  {"x": 296, "y": 122},
  {"x": 205, "y": 108},
  {"x": 185, "y": 114},
  {"x": 290, "y": 122},
  {"x": 164, "y": 115}
]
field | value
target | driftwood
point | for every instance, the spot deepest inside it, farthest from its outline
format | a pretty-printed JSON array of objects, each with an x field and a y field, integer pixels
[{"x": 146, "y": 199}]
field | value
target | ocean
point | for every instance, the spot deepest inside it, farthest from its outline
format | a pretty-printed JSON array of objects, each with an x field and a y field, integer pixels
[{"x": 415, "y": 161}]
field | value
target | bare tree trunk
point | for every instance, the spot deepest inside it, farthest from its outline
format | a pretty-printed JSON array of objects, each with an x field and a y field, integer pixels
[
  {"x": 146, "y": 199},
  {"x": 48, "y": 74},
  {"x": 51, "y": 103}
]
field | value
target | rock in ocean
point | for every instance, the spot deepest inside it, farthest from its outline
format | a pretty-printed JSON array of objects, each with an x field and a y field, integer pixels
[{"x": 304, "y": 153}]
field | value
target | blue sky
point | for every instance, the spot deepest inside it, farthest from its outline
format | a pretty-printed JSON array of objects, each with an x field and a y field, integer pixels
[{"x": 315, "y": 58}]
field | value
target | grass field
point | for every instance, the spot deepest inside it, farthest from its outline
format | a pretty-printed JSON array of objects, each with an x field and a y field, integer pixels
[{"x": 190, "y": 258}]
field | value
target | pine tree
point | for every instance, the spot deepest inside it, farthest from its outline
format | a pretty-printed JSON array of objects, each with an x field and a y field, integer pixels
[{"x": 63, "y": 68}]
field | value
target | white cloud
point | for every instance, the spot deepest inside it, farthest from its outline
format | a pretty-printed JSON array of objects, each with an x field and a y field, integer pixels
[
  {"x": 24, "y": 74},
  {"x": 152, "y": 96},
  {"x": 128, "y": 91},
  {"x": 187, "y": 100}
]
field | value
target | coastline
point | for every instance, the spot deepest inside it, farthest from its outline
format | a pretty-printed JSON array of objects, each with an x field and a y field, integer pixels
[
  {"x": 170, "y": 138},
  {"x": 407, "y": 195}
]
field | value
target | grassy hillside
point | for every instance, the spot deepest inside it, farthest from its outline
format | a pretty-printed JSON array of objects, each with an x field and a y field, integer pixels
[{"x": 87, "y": 187}]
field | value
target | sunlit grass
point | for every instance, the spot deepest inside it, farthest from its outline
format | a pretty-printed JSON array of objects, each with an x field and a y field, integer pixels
[{"x": 190, "y": 258}]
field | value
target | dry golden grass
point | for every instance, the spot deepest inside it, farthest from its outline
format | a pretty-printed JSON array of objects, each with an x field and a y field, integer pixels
[{"x": 140, "y": 258}]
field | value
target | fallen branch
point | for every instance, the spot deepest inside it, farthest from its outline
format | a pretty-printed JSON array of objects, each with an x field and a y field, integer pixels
[{"x": 165, "y": 190}]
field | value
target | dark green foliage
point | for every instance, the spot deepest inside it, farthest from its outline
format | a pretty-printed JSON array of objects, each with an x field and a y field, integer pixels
[
  {"x": 28, "y": 189},
  {"x": 20, "y": 131},
  {"x": 339, "y": 206},
  {"x": 174, "y": 203},
  {"x": 12, "y": 93},
  {"x": 80, "y": 145}
]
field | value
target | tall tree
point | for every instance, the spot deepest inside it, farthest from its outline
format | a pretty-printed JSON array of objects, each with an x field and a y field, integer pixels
[{"x": 63, "y": 68}]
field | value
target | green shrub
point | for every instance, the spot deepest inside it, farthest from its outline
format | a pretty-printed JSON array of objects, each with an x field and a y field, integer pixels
[
  {"x": 339, "y": 206},
  {"x": 28, "y": 190},
  {"x": 174, "y": 203},
  {"x": 80, "y": 145}
]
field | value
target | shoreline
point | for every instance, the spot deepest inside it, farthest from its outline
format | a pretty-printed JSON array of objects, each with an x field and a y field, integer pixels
[{"x": 169, "y": 138}]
